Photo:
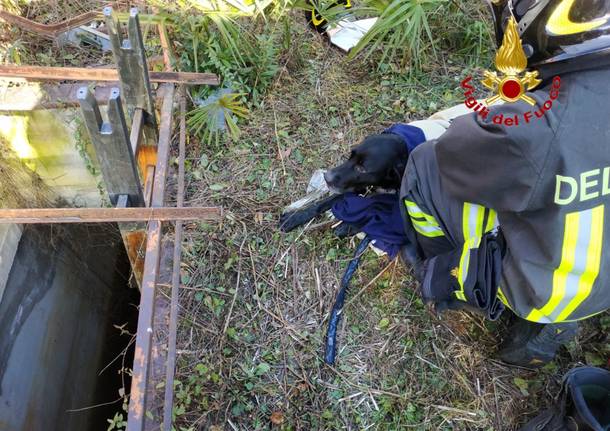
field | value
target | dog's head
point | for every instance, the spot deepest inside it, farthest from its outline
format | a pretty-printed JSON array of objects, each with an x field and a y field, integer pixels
[{"x": 379, "y": 161}]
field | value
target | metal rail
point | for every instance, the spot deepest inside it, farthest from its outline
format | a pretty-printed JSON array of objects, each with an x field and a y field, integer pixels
[
  {"x": 173, "y": 316},
  {"x": 141, "y": 364}
]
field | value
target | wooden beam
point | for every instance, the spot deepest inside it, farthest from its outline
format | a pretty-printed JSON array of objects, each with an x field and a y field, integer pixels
[
  {"x": 103, "y": 215},
  {"x": 45, "y": 73},
  {"x": 112, "y": 147}
]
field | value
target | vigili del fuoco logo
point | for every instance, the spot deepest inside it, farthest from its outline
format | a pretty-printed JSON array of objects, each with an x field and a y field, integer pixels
[{"x": 511, "y": 84}]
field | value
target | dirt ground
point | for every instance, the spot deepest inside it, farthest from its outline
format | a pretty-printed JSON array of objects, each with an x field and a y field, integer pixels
[{"x": 255, "y": 302}]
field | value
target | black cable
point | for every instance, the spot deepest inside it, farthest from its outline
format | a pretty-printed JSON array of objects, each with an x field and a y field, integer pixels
[{"x": 335, "y": 316}]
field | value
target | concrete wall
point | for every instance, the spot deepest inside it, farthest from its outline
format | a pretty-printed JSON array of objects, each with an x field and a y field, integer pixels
[
  {"x": 10, "y": 234},
  {"x": 53, "y": 145},
  {"x": 56, "y": 317}
]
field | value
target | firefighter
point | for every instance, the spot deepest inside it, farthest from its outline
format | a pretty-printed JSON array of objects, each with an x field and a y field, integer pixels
[{"x": 517, "y": 216}]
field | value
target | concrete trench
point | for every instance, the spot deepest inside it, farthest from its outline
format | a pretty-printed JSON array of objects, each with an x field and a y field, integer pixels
[{"x": 66, "y": 289}]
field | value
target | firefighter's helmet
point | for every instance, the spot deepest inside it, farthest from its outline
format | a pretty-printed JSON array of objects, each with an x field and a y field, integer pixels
[{"x": 557, "y": 31}]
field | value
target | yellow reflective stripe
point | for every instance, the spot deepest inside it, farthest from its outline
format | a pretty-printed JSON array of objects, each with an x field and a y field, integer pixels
[
  {"x": 492, "y": 221},
  {"x": 459, "y": 294},
  {"x": 464, "y": 262},
  {"x": 502, "y": 298},
  {"x": 575, "y": 276},
  {"x": 594, "y": 254},
  {"x": 472, "y": 228},
  {"x": 568, "y": 251},
  {"x": 559, "y": 22},
  {"x": 423, "y": 223},
  {"x": 472, "y": 220},
  {"x": 466, "y": 221},
  {"x": 415, "y": 211},
  {"x": 479, "y": 221},
  {"x": 429, "y": 232}
]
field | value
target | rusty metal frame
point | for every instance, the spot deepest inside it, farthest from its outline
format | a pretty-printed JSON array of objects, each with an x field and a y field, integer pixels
[
  {"x": 49, "y": 30},
  {"x": 173, "y": 316},
  {"x": 141, "y": 363},
  {"x": 153, "y": 173}
]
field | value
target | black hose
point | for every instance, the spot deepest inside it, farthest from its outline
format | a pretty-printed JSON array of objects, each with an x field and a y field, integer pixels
[{"x": 335, "y": 315}]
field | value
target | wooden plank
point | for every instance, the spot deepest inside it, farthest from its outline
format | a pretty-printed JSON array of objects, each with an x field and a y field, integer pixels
[
  {"x": 136, "y": 417},
  {"x": 103, "y": 215},
  {"x": 112, "y": 147},
  {"x": 44, "y": 73}
]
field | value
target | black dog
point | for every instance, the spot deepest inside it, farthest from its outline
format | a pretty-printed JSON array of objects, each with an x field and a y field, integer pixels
[{"x": 379, "y": 161}]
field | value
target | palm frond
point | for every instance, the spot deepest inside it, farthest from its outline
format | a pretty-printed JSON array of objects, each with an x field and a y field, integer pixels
[
  {"x": 400, "y": 30},
  {"x": 216, "y": 115}
]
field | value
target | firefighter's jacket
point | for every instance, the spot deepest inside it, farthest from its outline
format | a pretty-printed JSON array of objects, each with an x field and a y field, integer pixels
[{"x": 547, "y": 179}]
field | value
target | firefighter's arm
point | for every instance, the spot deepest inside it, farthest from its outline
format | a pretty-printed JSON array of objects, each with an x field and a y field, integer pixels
[{"x": 493, "y": 165}]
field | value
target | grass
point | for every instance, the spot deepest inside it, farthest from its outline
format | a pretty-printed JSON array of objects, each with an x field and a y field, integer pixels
[{"x": 255, "y": 302}]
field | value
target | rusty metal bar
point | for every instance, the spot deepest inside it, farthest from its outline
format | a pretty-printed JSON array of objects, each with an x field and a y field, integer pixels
[
  {"x": 141, "y": 364},
  {"x": 49, "y": 30},
  {"x": 103, "y": 215},
  {"x": 173, "y": 317},
  {"x": 47, "y": 73},
  {"x": 54, "y": 30},
  {"x": 148, "y": 184}
]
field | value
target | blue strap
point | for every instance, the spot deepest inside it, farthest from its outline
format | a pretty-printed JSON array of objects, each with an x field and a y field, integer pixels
[{"x": 411, "y": 135}]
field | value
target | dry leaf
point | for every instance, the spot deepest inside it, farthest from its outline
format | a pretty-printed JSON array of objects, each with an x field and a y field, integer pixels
[{"x": 277, "y": 418}]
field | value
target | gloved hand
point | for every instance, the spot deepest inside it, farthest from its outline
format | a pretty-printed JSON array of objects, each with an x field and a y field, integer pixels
[{"x": 480, "y": 278}]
